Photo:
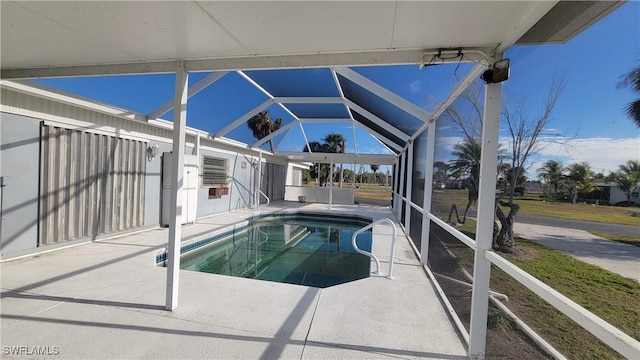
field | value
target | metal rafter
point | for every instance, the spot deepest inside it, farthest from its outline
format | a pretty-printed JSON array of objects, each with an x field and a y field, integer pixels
[
  {"x": 194, "y": 89},
  {"x": 275, "y": 133},
  {"x": 244, "y": 118},
  {"x": 376, "y": 120},
  {"x": 461, "y": 87},
  {"x": 383, "y": 93}
]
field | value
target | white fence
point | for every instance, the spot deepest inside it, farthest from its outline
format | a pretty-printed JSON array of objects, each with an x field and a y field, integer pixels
[{"x": 319, "y": 194}]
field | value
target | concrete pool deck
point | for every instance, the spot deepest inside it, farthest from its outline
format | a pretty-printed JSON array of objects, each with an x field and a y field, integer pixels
[{"x": 106, "y": 300}]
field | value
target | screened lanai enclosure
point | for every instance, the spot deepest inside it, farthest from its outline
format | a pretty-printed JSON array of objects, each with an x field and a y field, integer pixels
[{"x": 317, "y": 68}]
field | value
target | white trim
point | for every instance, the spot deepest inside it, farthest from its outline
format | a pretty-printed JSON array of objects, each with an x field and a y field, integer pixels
[
  {"x": 239, "y": 121},
  {"x": 57, "y": 96},
  {"x": 175, "y": 202},
  {"x": 409, "y": 174},
  {"x": 308, "y": 100},
  {"x": 471, "y": 76},
  {"x": 428, "y": 191},
  {"x": 453, "y": 231},
  {"x": 193, "y": 90},
  {"x": 324, "y": 120},
  {"x": 376, "y": 120},
  {"x": 275, "y": 133},
  {"x": 607, "y": 333},
  {"x": 383, "y": 93},
  {"x": 485, "y": 221},
  {"x": 378, "y": 136},
  {"x": 102, "y": 130}
]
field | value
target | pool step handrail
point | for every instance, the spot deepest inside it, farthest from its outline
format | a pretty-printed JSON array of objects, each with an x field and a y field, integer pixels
[
  {"x": 393, "y": 245},
  {"x": 265, "y": 196}
]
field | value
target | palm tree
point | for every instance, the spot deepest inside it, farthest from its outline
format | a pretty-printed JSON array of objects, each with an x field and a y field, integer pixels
[
  {"x": 467, "y": 164},
  {"x": 632, "y": 79},
  {"x": 627, "y": 176},
  {"x": 261, "y": 126},
  {"x": 316, "y": 170},
  {"x": 581, "y": 176},
  {"x": 552, "y": 172},
  {"x": 374, "y": 168},
  {"x": 336, "y": 143}
]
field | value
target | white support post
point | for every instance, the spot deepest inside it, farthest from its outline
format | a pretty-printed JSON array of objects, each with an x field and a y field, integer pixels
[
  {"x": 428, "y": 190},
  {"x": 331, "y": 184},
  {"x": 175, "y": 202},
  {"x": 196, "y": 146},
  {"x": 259, "y": 182},
  {"x": 407, "y": 206},
  {"x": 402, "y": 177},
  {"x": 484, "y": 226},
  {"x": 304, "y": 135},
  {"x": 396, "y": 184}
]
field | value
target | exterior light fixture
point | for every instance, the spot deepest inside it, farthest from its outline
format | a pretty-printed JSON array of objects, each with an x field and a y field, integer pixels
[
  {"x": 152, "y": 152},
  {"x": 499, "y": 72}
]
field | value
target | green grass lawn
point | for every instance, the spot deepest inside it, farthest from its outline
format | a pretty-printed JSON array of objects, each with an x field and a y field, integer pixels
[
  {"x": 608, "y": 295},
  {"x": 536, "y": 206},
  {"x": 627, "y": 239}
]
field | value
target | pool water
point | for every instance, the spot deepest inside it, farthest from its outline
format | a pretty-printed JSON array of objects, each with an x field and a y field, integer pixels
[{"x": 296, "y": 250}]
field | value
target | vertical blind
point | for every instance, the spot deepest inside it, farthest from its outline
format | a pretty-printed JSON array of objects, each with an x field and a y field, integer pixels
[{"x": 90, "y": 184}]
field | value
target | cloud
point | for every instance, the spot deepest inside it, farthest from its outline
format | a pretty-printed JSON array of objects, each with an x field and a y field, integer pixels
[{"x": 603, "y": 154}]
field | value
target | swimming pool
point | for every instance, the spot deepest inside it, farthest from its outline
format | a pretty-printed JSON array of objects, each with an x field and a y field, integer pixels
[{"x": 302, "y": 249}]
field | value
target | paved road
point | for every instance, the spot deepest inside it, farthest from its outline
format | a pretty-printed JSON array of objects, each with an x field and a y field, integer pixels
[
  {"x": 616, "y": 257},
  {"x": 579, "y": 224},
  {"x": 573, "y": 224}
]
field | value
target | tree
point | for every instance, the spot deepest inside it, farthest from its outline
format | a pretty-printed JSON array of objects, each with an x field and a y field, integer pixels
[
  {"x": 261, "y": 126},
  {"x": 466, "y": 166},
  {"x": 525, "y": 138},
  {"x": 374, "y": 168},
  {"x": 627, "y": 177},
  {"x": 333, "y": 143},
  {"x": 336, "y": 143},
  {"x": 552, "y": 172},
  {"x": 581, "y": 178},
  {"x": 632, "y": 79}
]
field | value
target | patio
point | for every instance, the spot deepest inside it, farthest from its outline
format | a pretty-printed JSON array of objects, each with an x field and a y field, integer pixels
[{"x": 106, "y": 300}]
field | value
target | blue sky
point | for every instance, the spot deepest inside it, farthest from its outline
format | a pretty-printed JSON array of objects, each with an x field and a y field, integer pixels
[{"x": 590, "y": 109}]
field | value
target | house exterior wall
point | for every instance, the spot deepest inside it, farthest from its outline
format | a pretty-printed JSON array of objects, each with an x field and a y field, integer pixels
[
  {"x": 21, "y": 117},
  {"x": 19, "y": 168}
]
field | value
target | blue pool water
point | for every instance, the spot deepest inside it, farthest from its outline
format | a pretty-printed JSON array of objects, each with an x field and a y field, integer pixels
[{"x": 299, "y": 249}]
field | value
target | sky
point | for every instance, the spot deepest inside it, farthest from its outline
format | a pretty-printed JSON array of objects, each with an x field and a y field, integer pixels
[{"x": 589, "y": 114}]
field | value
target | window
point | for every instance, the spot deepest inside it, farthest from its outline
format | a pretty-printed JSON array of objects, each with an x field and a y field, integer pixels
[{"x": 214, "y": 171}]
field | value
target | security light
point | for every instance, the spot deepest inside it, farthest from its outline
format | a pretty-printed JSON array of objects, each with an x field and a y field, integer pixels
[{"x": 499, "y": 72}]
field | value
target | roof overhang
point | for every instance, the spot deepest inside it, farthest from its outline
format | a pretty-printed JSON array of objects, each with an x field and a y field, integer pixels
[{"x": 50, "y": 39}]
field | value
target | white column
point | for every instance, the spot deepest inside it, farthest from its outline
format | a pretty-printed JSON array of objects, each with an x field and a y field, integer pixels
[
  {"x": 331, "y": 184},
  {"x": 175, "y": 203},
  {"x": 402, "y": 177},
  {"x": 407, "y": 206},
  {"x": 484, "y": 227},
  {"x": 428, "y": 190},
  {"x": 259, "y": 182},
  {"x": 395, "y": 184}
]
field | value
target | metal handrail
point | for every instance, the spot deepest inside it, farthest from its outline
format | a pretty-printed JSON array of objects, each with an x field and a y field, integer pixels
[
  {"x": 393, "y": 246},
  {"x": 266, "y": 197}
]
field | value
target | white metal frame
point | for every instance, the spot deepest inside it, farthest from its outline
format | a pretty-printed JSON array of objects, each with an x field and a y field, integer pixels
[
  {"x": 193, "y": 90},
  {"x": 175, "y": 202}
]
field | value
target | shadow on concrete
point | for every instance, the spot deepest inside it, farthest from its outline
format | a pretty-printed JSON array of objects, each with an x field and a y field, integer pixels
[{"x": 276, "y": 347}]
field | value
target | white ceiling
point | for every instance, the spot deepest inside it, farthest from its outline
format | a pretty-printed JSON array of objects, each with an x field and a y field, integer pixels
[{"x": 62, "y": 34}]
